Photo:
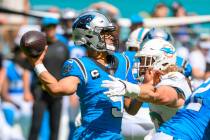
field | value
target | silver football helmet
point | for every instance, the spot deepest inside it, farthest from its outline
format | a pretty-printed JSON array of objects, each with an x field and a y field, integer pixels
[
  {"x": 158, "y": 33},
  {"x": 136, "y": 37},
  {"x": 91, "y": 29}
]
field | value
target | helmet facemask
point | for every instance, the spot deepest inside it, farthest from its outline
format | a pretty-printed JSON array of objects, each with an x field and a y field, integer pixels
[
  {"x": 141, "y": 65},
  {"x": 110, "y": 39}
]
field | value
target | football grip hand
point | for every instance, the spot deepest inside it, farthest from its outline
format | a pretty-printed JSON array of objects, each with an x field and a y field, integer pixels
[{"x": 37, "y": 60}]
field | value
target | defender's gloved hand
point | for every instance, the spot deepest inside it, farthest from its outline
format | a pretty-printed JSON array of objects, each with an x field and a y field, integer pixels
[{"x": 117, "y": 87}]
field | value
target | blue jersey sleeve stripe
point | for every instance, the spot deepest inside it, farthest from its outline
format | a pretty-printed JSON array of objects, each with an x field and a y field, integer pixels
[
  {"x": 82, "y": 68},
  {"x": 127, "y": 64}
]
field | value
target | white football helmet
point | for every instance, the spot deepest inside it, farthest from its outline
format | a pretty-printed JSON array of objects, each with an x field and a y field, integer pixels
[
  {"x": 157, "y": 54},
  {"x": 136, "y": 37}
]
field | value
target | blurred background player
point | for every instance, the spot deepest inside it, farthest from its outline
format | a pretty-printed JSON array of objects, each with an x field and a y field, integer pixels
[{"x": 42, "y": 98}]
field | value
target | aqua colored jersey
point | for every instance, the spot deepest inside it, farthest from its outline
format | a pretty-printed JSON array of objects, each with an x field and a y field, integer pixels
[
  {"x": 99, "y": 112},
  {"x": 192, "y": 120}
]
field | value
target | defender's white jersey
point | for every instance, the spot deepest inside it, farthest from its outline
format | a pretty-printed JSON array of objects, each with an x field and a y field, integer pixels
[{"x": 161, "y": 113}]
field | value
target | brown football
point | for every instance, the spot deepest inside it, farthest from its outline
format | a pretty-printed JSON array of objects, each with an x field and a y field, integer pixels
[{"x": 33, "y": 43}]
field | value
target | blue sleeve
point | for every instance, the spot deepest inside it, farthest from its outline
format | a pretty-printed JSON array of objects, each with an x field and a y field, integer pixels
[
  {"x": 130, "y": 55},
  {"x": 179, "y": 61},
  {"x": 130, "y": 76},
  {"x": 72, "y": 68},
  {"x": 188, "y": 70}
]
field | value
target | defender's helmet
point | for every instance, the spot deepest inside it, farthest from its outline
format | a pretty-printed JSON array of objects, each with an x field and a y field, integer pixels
[
  {"x": 136, "y": 37},
  {"x": 159, "y": 33},
  {"x": 91, "y": 28},
  {"x": 157, "y": 54}
]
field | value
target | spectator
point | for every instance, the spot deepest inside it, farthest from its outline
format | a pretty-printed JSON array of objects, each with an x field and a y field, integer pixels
[
  {"x": 107, "y": 9},
  {"x": 161, "y": 10},
  {"x": 199, "y": 65},
  {"x": 178, "y": 10}
]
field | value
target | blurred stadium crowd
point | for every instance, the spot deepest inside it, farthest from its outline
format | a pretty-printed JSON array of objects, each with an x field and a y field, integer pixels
[{"x": 25, "y": 111}]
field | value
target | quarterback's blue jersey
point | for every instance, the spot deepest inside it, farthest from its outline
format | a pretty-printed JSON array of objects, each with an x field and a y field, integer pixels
[
  {"x": 182, "y": 63},
  {"x": 99, "y": 112},
  {"x": 191, "y": 121}
]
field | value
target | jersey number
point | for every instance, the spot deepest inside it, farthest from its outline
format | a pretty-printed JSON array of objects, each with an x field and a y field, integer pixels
[{"x": 118, "y": 110}]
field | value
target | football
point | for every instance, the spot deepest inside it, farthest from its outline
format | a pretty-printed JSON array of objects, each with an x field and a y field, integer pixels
[{"x": 33, "y": 43}]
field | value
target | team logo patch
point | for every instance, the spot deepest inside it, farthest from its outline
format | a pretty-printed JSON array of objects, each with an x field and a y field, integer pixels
[
  {"x": 168, "y": 50},
  {"x": 95, "y": 74},
  {"x": 67, "y": 68}
]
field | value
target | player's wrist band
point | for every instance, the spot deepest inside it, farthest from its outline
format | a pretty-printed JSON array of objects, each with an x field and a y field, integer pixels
[
  {"x": 39, "y": 68},
  {"x": 133, "y": 90}
]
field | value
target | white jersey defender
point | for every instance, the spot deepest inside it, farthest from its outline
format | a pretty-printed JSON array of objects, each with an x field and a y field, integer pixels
[{"x": 162, "y": 113}]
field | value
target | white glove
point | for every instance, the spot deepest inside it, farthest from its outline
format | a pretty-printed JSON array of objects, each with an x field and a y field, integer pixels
[
  {"x": 78, "y": 120},
  {"x": 119, "y": 87}
]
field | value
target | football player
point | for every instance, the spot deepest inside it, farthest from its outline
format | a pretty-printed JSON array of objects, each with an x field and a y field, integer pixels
[
  {"x": 192, "y": 121},
  {"x": 101, "y": 115},
  {"x": 157, "y": 68}
]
